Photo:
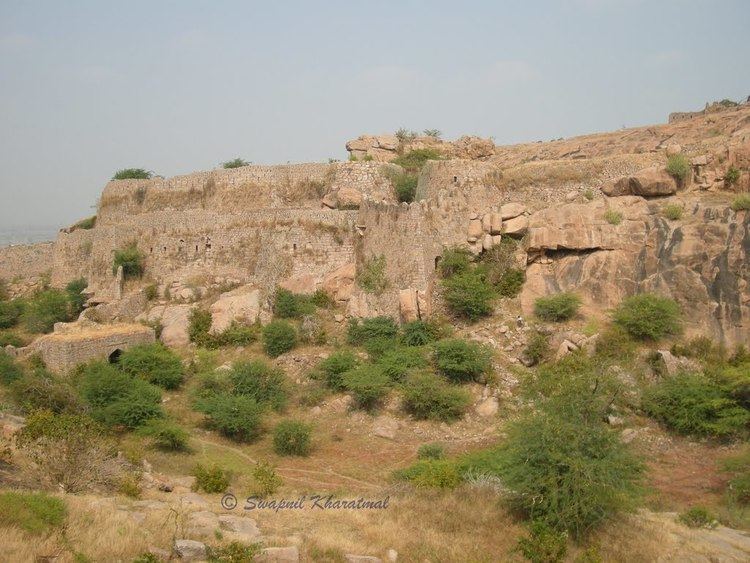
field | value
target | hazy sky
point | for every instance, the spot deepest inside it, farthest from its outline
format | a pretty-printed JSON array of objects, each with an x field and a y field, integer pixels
[{"x": 90, "y": 87}]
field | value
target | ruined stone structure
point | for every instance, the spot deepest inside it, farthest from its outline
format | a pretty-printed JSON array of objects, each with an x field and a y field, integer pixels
[
  {"x": 314, "y": 226},
  {"x": 76, "y": 343}
]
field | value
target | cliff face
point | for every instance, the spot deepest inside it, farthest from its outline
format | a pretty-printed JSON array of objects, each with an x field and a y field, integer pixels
[{"x": 701, "y": 260}]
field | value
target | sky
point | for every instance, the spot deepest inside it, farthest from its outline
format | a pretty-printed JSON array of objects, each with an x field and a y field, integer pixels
[{"x": 89, "y": 87}]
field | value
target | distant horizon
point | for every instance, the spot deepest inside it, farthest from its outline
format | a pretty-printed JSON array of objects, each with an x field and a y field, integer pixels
[{"x": 88, "y": 88}]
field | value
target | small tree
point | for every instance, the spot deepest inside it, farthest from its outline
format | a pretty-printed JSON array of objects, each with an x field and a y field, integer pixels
[
  {"x": 155, "y": 363},
  {"x": 260, "y": 381},
  {"x": 648, "y": 317},
  {"x": 292, "y": 437},
  {"x": 235, "y": 416},
  {"x": 132, "y": 174},
  {"x": 461, "y": 360},
  {"x": 212, "y": 479},
  {"x": 559, "y": 307},
  {"x": 235, "y": 163},
  {"x": 427, "y": 396},
  {"x": 368, "y": 386},
  {"x": 46, "y": 308},
  {"x": 131, "y": 259},
  {"x": 335, "y": 366},
  {"x": 469, "y": 295},
  {"x": 278, "y": 337}
]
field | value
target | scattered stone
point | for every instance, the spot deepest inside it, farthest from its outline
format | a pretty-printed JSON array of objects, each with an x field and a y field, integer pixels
[
  {"x": 385, "y": 427},
  {"x": 203, "y": 523},
  {"x": 391, "y": 556},
  {"x": 190, "y": 550},
  {"x": 613, "y": 420},
  {"x": 511, "y": 210},
  {"x": 487, "y": 407},
  {"x": 516, "y": 226},
  {"x": 627, "y": 435},
  {"x": 245, "y": 528}
]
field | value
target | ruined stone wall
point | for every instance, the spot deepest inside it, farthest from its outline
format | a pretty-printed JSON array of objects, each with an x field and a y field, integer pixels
[
  {"x": 252, "y": 246},
  {"x": 25, "y": 260},
  {"x": 62, "y": 352}
]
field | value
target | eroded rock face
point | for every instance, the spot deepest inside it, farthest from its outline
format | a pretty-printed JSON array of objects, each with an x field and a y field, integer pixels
[
  {"x": 649, "y": 182},
  {"x": 241, "y": 304},
  {"x": 700, "y": 261},
  {"x": 340, "y": 283}
]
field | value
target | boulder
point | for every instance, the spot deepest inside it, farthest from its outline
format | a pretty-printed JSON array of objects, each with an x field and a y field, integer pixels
[
  {"x": 242, "y": 527},
  {"x": 348, "y": 198},
  {"x": 486, "y": 222},
  {"x": 516, "y": 225},
  {"x": 175, "y": 321},
  {"x": 487, "y": 242},
  {"x": 511, "y": 210},
  {"x": 649, "y": 182},
  {"x": 669, "y": 364},
  {"x": 385, "y": 427},
  {"x": 202, "y": 523},
  {"x": 475, "y": 229},
  {"x": 488, "y": 407},
  {"x": 278, "y": 555},
  {"x": 340, "y": 283},
  {"x": 496, "y": 223},
  {"x": 306, "y": 284},
  {"x": 673, "y": 149},
  {"x": 361, "y": 559},
  {"x": 387, "y": 142},
  {"x": 241, "y": 304},
  {"x": 473, "y": 147},
  {"x": 190, "y": 550}
]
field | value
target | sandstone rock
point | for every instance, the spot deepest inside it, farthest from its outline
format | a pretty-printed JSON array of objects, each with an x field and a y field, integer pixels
[
  {"x": 473, "y": 147},
  {"x": 496, "y": 224},
  {"x": 190, "y": 550},
  {"x": 486, "y": 222},
  {"x": 516, "y": 226},
  {"x": 202, "y": 523},
  {"x": 278, "y": 555},
  {"x": 385, "y": 427},
  {"x": 175, "y": 320},
  {"x": 487, "y": 242},
  {"x": 305, "y": 284},
  {"x": 387, "y": 142},
  {"x": 670, "y": 365},
  {"x": 475, "y": 229},
  {"x": 340, "y": 283},
  {"x": 391, "y": 556},
  {"x": 244, "y": 528},
  {"x": 565, "y": 348},
  {"x": 649, "y": 182},
  {"x": 511, "y": 210},
  {"x": 673, "y": 149},
  {"x": 487, "y": 407},
  {"x": 348, "y": 198},
  {"x": 408, "y": 305},
  {"x": 329, "y": 200},
  {"x": 241, "y": 304}
]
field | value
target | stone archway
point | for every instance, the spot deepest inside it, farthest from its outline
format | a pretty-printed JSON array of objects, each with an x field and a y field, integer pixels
[{"x": 114, "y": 357}]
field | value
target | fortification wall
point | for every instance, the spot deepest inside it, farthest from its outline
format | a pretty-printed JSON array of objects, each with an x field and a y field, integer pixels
[
  {"x": 249, "y": 188},
  {"x": 25, "y": 267},
  {"x": 252, "y": 246}
]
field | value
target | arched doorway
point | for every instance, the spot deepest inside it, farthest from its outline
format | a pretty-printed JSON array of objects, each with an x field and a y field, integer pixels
[{"x": 114, "y": 357}]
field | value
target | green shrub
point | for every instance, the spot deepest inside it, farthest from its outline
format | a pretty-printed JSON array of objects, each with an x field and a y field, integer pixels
[
  {"x": 698, "y": 517},
  {"x": 334, "y": 366},
  {"x": 462, "y": 360},
  {"x": 234, "y": 552},
  {"x": 543, "y": 545},
  {"x": 396, "y": 363},
  {"x": 434, "y": 133},
  {"x": 236, "y": 334},
  {"x": 738, "y": 487},
  {"x": 35, "y": 513},
  {"x": 732, "y": 176},
  {"x": 648, "y": 317},
  {"x": 145, "y": 557},
  {"x": 693, "y": 404},
  {"x": 40, "y": 390},
  {"x": 4, "y": 293},
  {"x": 199, "y": 324},
  {"x": 260, "y": 381},
  {"x": 132, "y": 174},
  {"x": 567, "y": 471},
  {"x": 166, "y": 435},
  {"x": 288, "y": 305},
  {"x": 131, "y": 259},
  {"x": 537, "y": 348},
  {"x": 212, "y": 479},
  {"x": 321, "y": 299},
  {"x": 12, "y": 339},
  {"x": 419, "y": 333},
  {"x": 558, "y": 307},
  {"x": 130, "y": 412},
  {"x": 155, "y": 363},
  {"x": 76, "y": 299},
  {"x": 454, "y": 261},
  {"x": 588, "y": 193},
  {"x": 415, "y": 159},
  {"x": 46, "y": 308},
  {"x": 405, "y": 135},
  {"x": 678, "y": 166},
  {"x": 151, "y": 291},
  {"x": 368, "y": 386},
  {"x": 431, "y": 474},
  {"x": 468, "y": 295},
  {"x": 613, "y": 217},
  {"x": 741, "y": 203},
  {"x": 673, "y": 212},
  {"x": 405, "y": 185},
  {"x": 615, "y": 345},
  {"x": 85, "y": 224},
  {"x": 278, "y": 337},
  {"x": 266, "y": 480},
  {"x": 10, "y": 313},
  {"x": 360, "y": 332},
  {"x": 10, "y": 371},
  {"x": 236, "y": 416},
  {"x": 430, "y": 451},
  {"x": 235, "y": 163},
  {"x": 735, "y": 381},
  {"x": 511, "y": 282},
  {"x": 292, "y": 437},
  {"x": 426, "y": 396},
  {"x": 372, "y": 277}
]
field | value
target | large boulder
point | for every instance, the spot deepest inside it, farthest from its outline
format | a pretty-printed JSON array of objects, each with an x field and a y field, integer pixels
[
  {"x": 511, "y": 210},
  {"x": 190, "y": 550},
  {"x": 175, "y": 321},
  {"x": 306, "y": 284},
  {"x": 340, "y": 283},
  {"x": 649, "y": 182},
  {"x": 241, "y": 304}
]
